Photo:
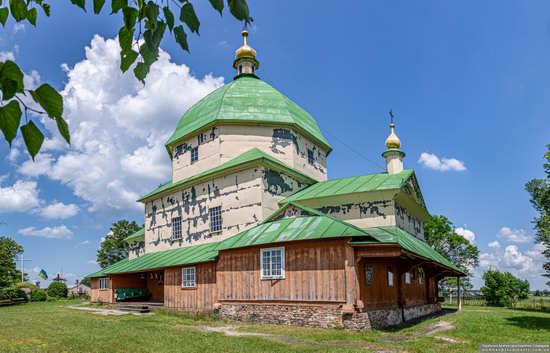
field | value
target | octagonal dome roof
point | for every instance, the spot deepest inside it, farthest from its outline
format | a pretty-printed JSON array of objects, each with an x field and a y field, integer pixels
[{"x": 247, "y": 100}]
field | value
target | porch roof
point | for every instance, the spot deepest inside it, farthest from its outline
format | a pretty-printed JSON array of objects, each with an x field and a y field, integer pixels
[
  {"x": 136, "y": 236},
  {"x": 396, "y": 235}
]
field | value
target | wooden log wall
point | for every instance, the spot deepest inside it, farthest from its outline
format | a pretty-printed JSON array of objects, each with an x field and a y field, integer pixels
[
  {"x": 200, "y": 298},
  {"x": 314, "y": 272},
  {"x": 414, "y": 293},
  {"x": 378, "y": 295}
]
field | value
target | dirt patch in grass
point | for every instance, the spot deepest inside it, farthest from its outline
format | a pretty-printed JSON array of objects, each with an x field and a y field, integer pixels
[{"x": 437, "y": 327}]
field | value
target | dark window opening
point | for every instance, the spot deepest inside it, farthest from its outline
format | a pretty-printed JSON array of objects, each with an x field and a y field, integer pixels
[
  {"x": 194, "y": 154},
  {"x": 310, "y": 156}
]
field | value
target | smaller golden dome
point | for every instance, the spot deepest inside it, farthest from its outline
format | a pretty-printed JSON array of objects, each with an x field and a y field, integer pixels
[
  {"x": 393, "y": 141},
  {"x": 245, "y": 51}
]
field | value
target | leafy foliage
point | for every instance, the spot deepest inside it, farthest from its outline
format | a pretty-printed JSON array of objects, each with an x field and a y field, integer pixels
[
  {"x": 146, "y": 18},
  {"x": 38, "y": 295},
  {"x": 503, "y": 289},
  {"x": 27, "y": 285},
  {"x": 440, "y": 234},
  {"x": 12, "y": 293},
  {"x": 87, "y": 282},
  {"x": 540, "y": 199},
  {"x": 113, "y": 248},
  {"x": 58, "y": 290},
  {"x": 9, "y": 249}
]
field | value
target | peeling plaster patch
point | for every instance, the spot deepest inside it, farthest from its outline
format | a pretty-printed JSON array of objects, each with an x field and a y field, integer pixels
[
  {"x": 283, "y": 138},
  {"x": 275, "y": 182},
  {"x": 408, "y": 222}
]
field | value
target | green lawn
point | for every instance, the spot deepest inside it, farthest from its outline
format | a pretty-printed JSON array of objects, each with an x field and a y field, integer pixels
[{"x": 52, "y": 327}]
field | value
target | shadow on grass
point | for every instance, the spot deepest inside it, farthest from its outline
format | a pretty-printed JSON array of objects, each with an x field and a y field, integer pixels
[
  {"x": 530, "y": 322},
  {"x": 531, "y": 310},
  {"x": 413, "y": 322}
]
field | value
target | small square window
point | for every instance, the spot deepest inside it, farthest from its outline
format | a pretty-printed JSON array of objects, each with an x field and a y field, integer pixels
[
  {"x": 103, "y": 283},
  {"x": 369, "y": 274},
  {"x": 215, "y": 219},
  {"x": 272, "y": 263},
  {"x": 194, "y": 154},
  {"x": 407, "y": 277},
  {"x": 420, "y": 276},
  {"x": 176, "y": 228},
  {"x": 188, "y": 279},
  {"x": 310, "y": 156},
  {"x": 390, "y": 277}
]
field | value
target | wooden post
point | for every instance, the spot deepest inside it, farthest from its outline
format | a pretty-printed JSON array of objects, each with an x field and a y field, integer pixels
[
  {"x": 459, "y": 296},
  {"x": 352, "y": 282}
]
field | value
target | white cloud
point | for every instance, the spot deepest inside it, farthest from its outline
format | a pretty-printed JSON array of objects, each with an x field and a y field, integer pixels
[
  {"x": 494, "y": 244},
  {"x": 515, "y": 259},
  {"x": 40, "y": 166},
  {"x": 431, "y": 161},
  {"x": 118, "y": 127},
  {"x": 58, "y": 232},
  {"x": 536, "y": 252},
  {"x": 19, "y": 27},
  {"x": 19, "y": 197},
  {"x": 513, "y": 235},
  {"x": 7, "y": 55},
  {"x": 487, "y": 260},
  {"x": 92, "y": 262},
  {"x": 13, "y": 155},
  {"x": 85, "y": 242},
  {"x": 59, "y": 210},
  {"x": 466, "y": 234}
]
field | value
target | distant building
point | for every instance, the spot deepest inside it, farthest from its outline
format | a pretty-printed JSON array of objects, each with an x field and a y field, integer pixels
[
  {"x": 80, "y": 289},
  {"x": 249, "y": 226}
]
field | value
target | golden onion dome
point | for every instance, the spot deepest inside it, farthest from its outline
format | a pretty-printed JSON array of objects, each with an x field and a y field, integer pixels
[
  {"x": 245, "y": 51},
  {"x": 393, "y": 141}
]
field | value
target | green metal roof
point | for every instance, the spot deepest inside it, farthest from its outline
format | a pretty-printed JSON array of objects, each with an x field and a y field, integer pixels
[
  {"x": 161, "y": 259},
  {"x": 343, "y": 186},
  {"x": 252, "y": 156},
  {"x": 247, "y": 100},
  {"x": 314, "y": 225},
  {"x": 137, "y": 236},
  {"x": 393, "y": 234}
]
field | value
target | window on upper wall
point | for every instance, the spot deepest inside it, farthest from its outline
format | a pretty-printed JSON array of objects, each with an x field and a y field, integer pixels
[
  {"x": 188, "y": 279},
  {"x": 310, "y": 156},
  {"x": 369, "y": 274},
  {"x": 215, "y": 214},
  {"x": 272, "y": 263},
  {"x": 194, "y": 154},
  {"x": 103, "y": 283},
  {"x": 390, "y": 276},
  {"x": 176, "y": 228},
  {"x": 407, "y": 277},
  {"x": 420, "y": 276}
]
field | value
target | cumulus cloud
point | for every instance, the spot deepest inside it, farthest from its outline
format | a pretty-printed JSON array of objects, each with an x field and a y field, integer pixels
[
  {"x": 59, "y": 210},
  {"x": 432, "y": 161},
  {"x": 22, "y": 196},
  {"x": 513, "y": 235},
  {"x": 59, "y": 232},
  {"x": 41, "y": 165},
  {"x": 494, "y": 244},
  {"x": 487, "y": 261},
  {"x": 514, "y": 258},
  {"x": 466, "y": 234},
  {"x": 118, "y": 126},
  {"x": 92, "y": 262}
]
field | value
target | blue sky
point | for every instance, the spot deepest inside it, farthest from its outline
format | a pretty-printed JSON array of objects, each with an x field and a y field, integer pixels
[{"x": 468, "y": 82}]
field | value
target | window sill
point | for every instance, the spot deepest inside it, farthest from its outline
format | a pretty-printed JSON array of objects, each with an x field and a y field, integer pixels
[
  {"x": 271, "y": 278},
  {"x": 189, "y": 288}
]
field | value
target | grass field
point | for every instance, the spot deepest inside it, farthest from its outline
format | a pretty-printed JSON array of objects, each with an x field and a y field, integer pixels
[{"x": 52, "y": 327}]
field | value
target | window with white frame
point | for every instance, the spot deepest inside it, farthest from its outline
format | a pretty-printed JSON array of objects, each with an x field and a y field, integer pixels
[
  {"x": 103, "y": 283},
  {"x": 390, "y": 276},
  {"x": 215, "y": 214},
  {"x": 310, "y": 159},
  {"x": 188, "y": 279},
  {"x": 407, "y": 277},
  {"x": 272, "y": 263},
  {"x": 176, "y": 228},
  {"x": 194, "y": 154}
]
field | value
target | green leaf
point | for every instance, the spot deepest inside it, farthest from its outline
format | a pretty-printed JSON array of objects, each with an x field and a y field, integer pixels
[
  {"x": 4, "y": 12},
  {"x": 11, "y": 80},
  {"x": 141, "y": 70},
  {"x": 63, "y": 128},
  {"x": 98, "y": 5},
  {"x": 46, "y": 8},
  {"x": 153, "y": 37},
  {"x": 33, "y": 138},
  {"x": 31, "y": 16},
  {"x": 127, "y": 58},
  {"x": 130, "y": 16},
  {"x": 152, "y": 14},
  {"x": 218, "y": 5},
  {"x": 149, "y": 55},
  {"x": 80, "y": 3},
  {"x": 169, "y": 16},
  {"x": 10, "y": 117},
  {"x": 239, "y": 9},
  {"x": 18, "y": 9},
  {"x": 125, "y": 38},
  {"x": 49, "y": 99},
  {"x": 116, "y": 5},
  {"x": 181, "y": 37},
  {"x": 189, "y": 17}
]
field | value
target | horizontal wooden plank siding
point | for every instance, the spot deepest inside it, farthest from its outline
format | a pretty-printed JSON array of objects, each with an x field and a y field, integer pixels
[
  {"x": 314, "y": 271},
  {"x": 200, "y": 298}
]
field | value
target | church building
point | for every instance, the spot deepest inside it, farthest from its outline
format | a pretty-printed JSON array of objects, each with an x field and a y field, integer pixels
[{"x": 250, "y": 227}]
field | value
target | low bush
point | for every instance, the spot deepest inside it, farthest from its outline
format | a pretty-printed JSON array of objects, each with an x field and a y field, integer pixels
[
  {"x": 57, "y": 290},
  {"x": 28, "y": 285},
  {"x": 51, "y": 299},
  {"x": 11, "y": 293},
  {"x": 38, "y": 295}
]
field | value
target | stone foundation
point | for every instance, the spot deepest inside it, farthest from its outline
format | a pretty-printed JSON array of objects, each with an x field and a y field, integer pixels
[{"x": 329, "y": 315}]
